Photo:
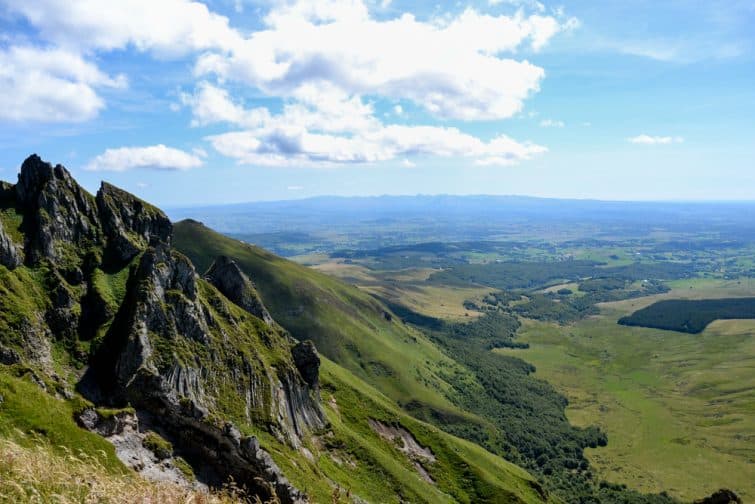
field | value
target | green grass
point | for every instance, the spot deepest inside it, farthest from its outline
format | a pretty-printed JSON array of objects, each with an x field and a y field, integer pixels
[
  {"x": 22, "y": 301},
  {"x": 11, "y": 223},
  {"x": 679, "y": 409},
  {"x": 157, "y": 445},
  {"x": 26, "y": 409},
  {"x": 346, "y": 324},
  {"x": 111, "y": 287},
  {"x": 358, "y": 459}
]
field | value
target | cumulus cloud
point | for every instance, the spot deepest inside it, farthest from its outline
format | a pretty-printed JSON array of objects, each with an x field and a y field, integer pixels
[
  {"x": 155, "y": 157},
  {"x": 333, "y": 129},
  {"x": 168, "y": 27},
  {"x": 299, "y": 147},
  {"x": 59, "y": 83},
  {"x": 655, "y": 140},
  {"x": 453, "y": 69},
  {"x": 551, "y": 123},
  {"x": 327, "y": 62},
  {"x": 50, "y": 85}
]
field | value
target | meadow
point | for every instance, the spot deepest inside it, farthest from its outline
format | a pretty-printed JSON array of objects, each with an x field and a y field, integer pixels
[{"x": 678, "y": 408}]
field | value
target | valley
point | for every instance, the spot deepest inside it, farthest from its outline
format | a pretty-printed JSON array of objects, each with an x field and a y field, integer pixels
[{"x": 488, "y": 370}]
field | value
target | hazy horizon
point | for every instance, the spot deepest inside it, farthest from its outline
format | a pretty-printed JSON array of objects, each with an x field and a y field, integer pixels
[{"x": 232, "y": 102}]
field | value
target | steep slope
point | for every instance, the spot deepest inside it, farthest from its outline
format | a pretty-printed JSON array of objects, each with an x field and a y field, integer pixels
[
  {"x": 347, "y": 325},
  {"x": 107, "y": 323}
]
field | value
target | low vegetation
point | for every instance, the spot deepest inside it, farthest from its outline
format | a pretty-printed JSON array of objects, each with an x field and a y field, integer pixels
[{"x": 37, "y": 472}]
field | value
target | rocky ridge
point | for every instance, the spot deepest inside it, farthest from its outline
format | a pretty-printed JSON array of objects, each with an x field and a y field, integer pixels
[{"x": 194, "y": 357}]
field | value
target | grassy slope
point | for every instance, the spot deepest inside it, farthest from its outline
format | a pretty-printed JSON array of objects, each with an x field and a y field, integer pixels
[
  {"x": 39, "y": 430},
  {"x": 679, "y": 409},
  {"x": 42, "y": 427},
  {"x": 380, "y": 472},
  {"x": 27, "y": 410},
  {"x": 346, "y": 324},
  {"x": 372, "y": 468}
]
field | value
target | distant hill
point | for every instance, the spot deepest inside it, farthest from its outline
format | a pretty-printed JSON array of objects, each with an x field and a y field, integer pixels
[{"x": 372, "y": 222}]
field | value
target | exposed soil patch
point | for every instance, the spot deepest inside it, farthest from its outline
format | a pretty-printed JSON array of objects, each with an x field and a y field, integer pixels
[{"x": 407, "y": 444}]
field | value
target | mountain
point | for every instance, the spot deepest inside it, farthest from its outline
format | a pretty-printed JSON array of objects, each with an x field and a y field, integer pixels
[{"x": 199, "y": 373}]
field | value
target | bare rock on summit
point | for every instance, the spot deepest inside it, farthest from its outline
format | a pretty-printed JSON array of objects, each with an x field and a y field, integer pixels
[
  {"x": 59, "y": 215},
  {"x": 130, "y": 224}
]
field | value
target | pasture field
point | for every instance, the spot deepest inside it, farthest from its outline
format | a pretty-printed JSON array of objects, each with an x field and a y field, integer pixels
[
  {"x": 679, "y": 409},
  {"x": 409, "y": 288}
]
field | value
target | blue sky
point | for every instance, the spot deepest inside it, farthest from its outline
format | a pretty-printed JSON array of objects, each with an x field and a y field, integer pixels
[{"x": 188, "y": 103}]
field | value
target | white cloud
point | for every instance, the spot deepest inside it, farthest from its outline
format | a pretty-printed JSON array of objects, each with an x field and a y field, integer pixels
[
  {"x": 328, "y": 127},
  {"x": 50, "y": 85},
  {"x": 155, "y": 157},
  {"x": 457, "y": 67},
  {"x": 167, "y": 27},
  {"x": 318, "y": 106},
  {"x": 408, "y": 164},
  {"x": 454, "y": 69},
  {"x": 398, "y": 110},
  {"x": 551, "y": 123},
  {"x": 280, "y": 146},
  {"x": 655, "y": 140}
]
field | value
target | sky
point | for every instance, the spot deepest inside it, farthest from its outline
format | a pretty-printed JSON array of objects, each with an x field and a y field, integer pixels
[{"x": 193, "y": 103}]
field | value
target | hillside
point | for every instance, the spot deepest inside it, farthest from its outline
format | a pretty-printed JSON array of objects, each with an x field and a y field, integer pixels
[
  {"x": 107, "y": 331},
  {"x": 446, "y": 375},
  {"x": 346, "y": 324}
]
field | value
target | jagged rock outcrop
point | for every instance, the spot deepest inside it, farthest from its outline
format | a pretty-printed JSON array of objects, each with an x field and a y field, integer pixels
[
  {"x": 130, "y": 224},
  {"x": 11, "y": 254},
  {"x": 307, "y": 361},
  {"x": 59, "y": 216},
  {"x": 177, "y": 346},
  {"x": 226, "y": 275},
  {"x": 189, "y": 354},
  {"x": 8, "y": 356},
  {"x": 217, "y": 449}
]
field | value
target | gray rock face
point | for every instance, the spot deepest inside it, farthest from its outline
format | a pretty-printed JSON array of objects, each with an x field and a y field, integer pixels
[
  {"x": 176, "y": 347},
  {"x": 178, "y": 385},
  {"x": 130, "y": 224},
  {"x": 226, "y": 275},
  {"x": 11, "y": 254},
  {"x": 221, "y": 449},
  {"x": 58, "y": 213},
  {"x": 8, "y": 356},
  {"x": 307, "y": 361}
]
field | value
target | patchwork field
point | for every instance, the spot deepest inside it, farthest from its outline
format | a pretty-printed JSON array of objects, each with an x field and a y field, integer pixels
[{"x": 679, "y": 409}]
